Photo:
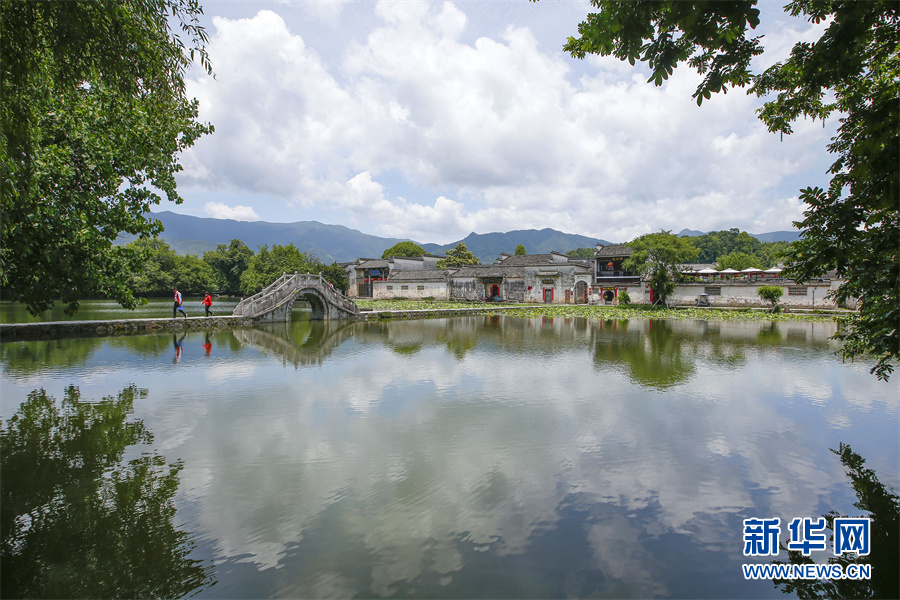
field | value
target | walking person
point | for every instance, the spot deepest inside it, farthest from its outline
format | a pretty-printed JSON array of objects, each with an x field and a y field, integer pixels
[
  {"x": 177, "y": 306},
  {"x": 207, "y": 302}
]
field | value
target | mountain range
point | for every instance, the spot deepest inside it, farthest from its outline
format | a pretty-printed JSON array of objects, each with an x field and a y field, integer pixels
[{"x": 195, "y": 235}]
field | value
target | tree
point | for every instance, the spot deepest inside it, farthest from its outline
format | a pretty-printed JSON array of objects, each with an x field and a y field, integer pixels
[
  {"x": 656, "y": 257},
  {"x": 460, "y": 256},
  {"x": 582, "y": 253},
  {"x": 407, "y": 248},
  {"x": 738, "y": 261},
  {"x": 770, "y": 293},
  {"x": 853, "y": 69},
  {"x": 230, "y": 262},
  {"x": 520, "y": 250},
  {"x": 162, "y": 269},
  {"x": 268, "y": 265},
  {"x": 337, "y": 275},
  {"x": 94, "y": 115}
]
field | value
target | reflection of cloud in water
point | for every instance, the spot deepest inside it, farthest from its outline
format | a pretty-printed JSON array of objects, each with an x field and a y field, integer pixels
[
  {"x": 220, "y": 372},
  {"x": 417, "y": 456}
]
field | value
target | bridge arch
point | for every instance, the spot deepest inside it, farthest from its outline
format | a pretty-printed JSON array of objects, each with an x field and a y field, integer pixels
[{"x": 276, "y": 301}]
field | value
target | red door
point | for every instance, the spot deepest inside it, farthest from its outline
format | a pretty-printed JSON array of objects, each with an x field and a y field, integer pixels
[{"x": 548, "y": 295}]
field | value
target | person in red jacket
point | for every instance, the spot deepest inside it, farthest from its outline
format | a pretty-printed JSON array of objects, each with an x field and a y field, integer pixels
[{"x": 207, "y": 302}]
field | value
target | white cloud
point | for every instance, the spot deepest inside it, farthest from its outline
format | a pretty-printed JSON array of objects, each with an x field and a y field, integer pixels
[
  {"x": 217, "y": 210},
  {"x": 484, "y": 135}
]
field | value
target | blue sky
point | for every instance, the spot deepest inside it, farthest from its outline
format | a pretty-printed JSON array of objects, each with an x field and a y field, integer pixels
[{"x": 431, "y": 120}]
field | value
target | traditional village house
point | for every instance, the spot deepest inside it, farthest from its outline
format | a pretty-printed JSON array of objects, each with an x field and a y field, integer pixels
[
  {"x": 610, "y": 276},
  {"x": 415, "y": 284},
  {"x": 364, "y": 272},
  {"x": 547, "y": 278}
]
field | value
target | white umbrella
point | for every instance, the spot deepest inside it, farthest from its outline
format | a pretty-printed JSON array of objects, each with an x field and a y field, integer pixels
[
  {"x": 728, "y": 271},
  {"x": 775, "y": 270},
  {"x": 708, "y": 272},
  {"x": 751, "y": 270}
]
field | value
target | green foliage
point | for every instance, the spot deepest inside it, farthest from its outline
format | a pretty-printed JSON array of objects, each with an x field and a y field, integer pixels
[
  {"x": 72, "y": 505},
  {"x": 581, "y": 253},
  {"x": 268, "y": 265},
  {"x": 770, "y": 293},
  {"x": 337, "y": 275},
  {"x": 624, "y": 297},
  {"x": 853, "y": 227},
  {"x": 656, "y": 256},
  {"x": 162, "y": 269},
  {"x": 94, "y": 115},
  {"x": 709, "y": 36},
  {"x": 460, "y": 256},
  {"x": 853, "y": 69},
  {"x": 739, "y": 261},
  {"x": 229, "y": 262},
  {"x": 520, "y": 250},
  {"x": 410, "y": 249}
]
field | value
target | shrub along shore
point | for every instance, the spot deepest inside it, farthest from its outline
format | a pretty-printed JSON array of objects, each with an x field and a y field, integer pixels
[{"x": 610, "y": 312}]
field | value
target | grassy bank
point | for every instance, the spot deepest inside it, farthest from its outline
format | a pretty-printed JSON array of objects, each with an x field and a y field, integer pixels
[{"x": 604, "y": 312}]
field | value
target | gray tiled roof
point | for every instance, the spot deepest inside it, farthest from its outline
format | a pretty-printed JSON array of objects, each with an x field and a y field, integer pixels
[
  {"x": 614, "y": 250},
  {"x": 527, "y": 260},
  {"x": 373, "y": 264},
  {"x": 490, "y": 271},
  {"x": 420, "y": 275}
]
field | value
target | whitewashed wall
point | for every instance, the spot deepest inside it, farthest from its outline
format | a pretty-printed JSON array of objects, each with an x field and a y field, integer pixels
[
  {"x": 745, "y": 294},
  {"x": 385, "y": 290}
]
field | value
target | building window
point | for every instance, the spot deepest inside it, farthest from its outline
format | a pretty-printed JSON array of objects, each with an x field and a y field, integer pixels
[
  {"x": 390, "y": 287},
  {"x": 420, "y": 287},
  {"x": 713, "y": 290},
  {"x": 796, "y": 290},
  {"x": 404, "y": 287}
]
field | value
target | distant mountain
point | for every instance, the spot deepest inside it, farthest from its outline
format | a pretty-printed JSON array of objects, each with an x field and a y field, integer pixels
[
  {"x": 690, "y": 233},
  {"x": 777, "y": 236},
  {"x": 488, "y": 246},
  {"x": 196, "y": 235},
  {"x": 772, "y": 236}
]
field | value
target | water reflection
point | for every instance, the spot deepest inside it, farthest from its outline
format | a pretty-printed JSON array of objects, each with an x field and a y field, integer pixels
[
  {"x": 882, "y": 505},
  {"x": 79, "y": 522},
  {"x": 651, "y": 352},
  {"x": 499, "y": 457}
]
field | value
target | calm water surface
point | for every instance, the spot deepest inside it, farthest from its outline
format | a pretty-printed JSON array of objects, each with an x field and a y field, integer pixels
[{"x": 470, "y": 457}]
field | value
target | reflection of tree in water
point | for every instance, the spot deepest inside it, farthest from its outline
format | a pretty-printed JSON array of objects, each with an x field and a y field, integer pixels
[
  {"x": 654, "y": 358},
  {"x": 883, "y": 506},
  {"x": 77, "y": 521},
  {"x": 31, "y": 357},
  {"x": 769, "y": 334},
  {"x": 460, "y": 337}
]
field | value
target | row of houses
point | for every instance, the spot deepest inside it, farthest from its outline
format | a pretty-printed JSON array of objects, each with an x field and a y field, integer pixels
[{"x": 555, "y": 278}]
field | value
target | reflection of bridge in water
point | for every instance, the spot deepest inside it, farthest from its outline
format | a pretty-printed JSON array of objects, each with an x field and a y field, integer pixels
[
  {"x": 316, "y": 340},
  {"x": 275, "y": 302}
]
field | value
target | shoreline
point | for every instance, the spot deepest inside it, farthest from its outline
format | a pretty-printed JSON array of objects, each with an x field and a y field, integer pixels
[{"x": 50, "y": 330}]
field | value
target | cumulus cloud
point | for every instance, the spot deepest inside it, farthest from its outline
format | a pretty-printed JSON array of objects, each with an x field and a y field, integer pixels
[
  {"x": 217, "y": 210},
  {"x": 491, "y": 134}
]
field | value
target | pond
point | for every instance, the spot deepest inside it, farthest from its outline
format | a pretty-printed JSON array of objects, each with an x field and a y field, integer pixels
[{"x": 472, "y": 457}]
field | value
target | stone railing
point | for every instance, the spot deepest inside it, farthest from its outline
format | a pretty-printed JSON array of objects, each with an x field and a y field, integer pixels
[{"x": 286, "y": 286}]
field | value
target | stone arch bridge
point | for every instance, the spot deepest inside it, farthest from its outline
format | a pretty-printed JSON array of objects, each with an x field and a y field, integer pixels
[{"x": 275, "y": 302}]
